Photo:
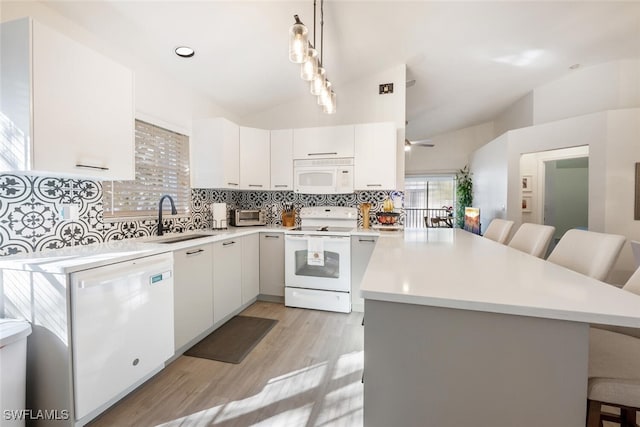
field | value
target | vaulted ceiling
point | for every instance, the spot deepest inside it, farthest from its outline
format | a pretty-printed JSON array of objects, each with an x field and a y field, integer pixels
[{"x": 469, "y": 60}]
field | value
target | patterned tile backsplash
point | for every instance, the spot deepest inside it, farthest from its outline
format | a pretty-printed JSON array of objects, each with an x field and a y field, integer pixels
[{"x": 29, "y": 207}]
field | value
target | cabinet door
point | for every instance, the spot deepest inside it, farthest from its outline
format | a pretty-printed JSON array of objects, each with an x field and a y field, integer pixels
[
  {"x": 272, "y": 264},
  {"x": 361, "y": 249},
  {"x": 282, "y": 159},
  {"x": 215, "y": 154},
  {"x": 323, "y": 142},
  {"x": 375, "y": 156},
  {"x": 227, "y": 278},
  {"x": 254, "y": 159},
  {"x": 71, "y": 109},
  {"x": 83, "y": 114},
  {"x": 250, "y": 267},
  {"x": 193, "y": 292}
]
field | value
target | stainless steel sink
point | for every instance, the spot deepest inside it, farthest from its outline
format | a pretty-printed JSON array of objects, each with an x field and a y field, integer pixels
[{"x": 176, "y": 239}]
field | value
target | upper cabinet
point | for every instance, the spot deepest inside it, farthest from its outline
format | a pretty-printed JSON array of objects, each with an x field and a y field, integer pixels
[
  {"x": 323, "y": 142},
  {"x": 215, "y": 154},
  {"x": 282, "y": 159},
  {"x": 375, "y": 156},
  {"x": 254, "y": 159},
  {"x": 65, "y": 109}
]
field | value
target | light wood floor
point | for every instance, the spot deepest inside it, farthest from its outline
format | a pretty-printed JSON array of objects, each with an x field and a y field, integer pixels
[{"x": 305, "y": 372}]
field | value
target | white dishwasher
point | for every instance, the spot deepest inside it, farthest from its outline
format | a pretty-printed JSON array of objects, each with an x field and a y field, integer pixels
[{"x": 122, "y": 328}]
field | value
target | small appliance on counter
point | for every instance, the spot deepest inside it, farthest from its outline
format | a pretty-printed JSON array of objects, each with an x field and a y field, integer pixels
[
  {"x": 247, "y": 217},
  {"x": 219, "y": 213}
]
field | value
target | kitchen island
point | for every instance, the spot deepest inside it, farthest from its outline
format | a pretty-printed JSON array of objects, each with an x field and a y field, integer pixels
[{"x": 461, "y": 330}]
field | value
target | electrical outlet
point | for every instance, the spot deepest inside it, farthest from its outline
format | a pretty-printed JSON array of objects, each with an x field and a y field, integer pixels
[
  {"x": 385, "y": 88},
  {"x": 69, "y": 212}
]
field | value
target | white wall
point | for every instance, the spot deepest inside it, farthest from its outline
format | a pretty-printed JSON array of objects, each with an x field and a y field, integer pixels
[
  {"x": 517, "y": 115},
  {"x": 158, "y": 98},
  {"x": 489, "y": 171},
  {"x": 609, "y": 86},
  {"x": 451, "y": 151},
  {"x": 622, "y": 152},
  {"x": 357, "y": 102}
]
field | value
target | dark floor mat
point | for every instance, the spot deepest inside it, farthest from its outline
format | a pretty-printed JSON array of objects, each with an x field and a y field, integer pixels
[{"x": 234, "y": 340}]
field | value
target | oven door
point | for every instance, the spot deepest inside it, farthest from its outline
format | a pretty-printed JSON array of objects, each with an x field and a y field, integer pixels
[{"x": 333, "y": 275}]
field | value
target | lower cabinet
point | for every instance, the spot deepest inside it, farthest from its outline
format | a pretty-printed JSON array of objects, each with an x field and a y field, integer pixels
[
  {"x": 227, "y": 277},
  {"x": 272, "y": 264},
  {"x": 361, "y": 250},
  {"x": 193, "y": 292},
  {"x": 250, "y": 267}
]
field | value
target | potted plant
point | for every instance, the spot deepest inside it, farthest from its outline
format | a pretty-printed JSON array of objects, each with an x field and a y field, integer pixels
[{"x": 464, "y": 194}]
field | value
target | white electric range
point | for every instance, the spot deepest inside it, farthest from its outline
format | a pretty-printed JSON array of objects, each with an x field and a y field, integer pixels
[{"x": 318, "y": 259}]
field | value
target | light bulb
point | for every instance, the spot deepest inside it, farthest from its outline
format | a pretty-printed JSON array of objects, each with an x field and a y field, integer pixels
[
  {"x": 318, "y": 82},
  {"x": 330, "y": 108},
  {"x": 309, "y": 67},
  {"x": 325, "y": 94},
  {"x": 298, "y": 43}
]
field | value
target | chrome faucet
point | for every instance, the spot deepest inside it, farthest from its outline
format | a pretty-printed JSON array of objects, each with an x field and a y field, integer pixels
[{"x": 173, "y": 212}]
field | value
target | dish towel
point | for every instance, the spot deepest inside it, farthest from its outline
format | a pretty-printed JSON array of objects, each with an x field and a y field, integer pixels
[{"x": 315, "y": 251}]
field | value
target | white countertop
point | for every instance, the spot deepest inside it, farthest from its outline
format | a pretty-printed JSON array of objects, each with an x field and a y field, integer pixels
[
  {"x": 455, "y": 269},
  {"x": 76, "y": 258}
]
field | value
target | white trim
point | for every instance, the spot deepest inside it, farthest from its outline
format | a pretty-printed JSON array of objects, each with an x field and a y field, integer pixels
[{"x": 154, "y": 120}]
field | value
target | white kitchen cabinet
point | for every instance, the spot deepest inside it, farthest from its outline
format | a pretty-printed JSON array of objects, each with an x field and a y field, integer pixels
[
  {"x": 282, "y": 159},
  {"x": 272, "y": 264},
  {"x": 227, "y": 278},
  {"x": 375, "y": 156},
  {"x": 193, "y": 293},
  {"x": 215, "y": 154},
  {"x": 361, "y": 249},
  {"x": 250, "y": 267},
  {"x": 323, "y": 142},
  {"x": 254, "y": 154},
  {"x": 66, "y": 109}
]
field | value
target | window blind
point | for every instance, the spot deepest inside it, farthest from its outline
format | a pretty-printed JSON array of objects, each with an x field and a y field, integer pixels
[{"x": 162, "y": 167}]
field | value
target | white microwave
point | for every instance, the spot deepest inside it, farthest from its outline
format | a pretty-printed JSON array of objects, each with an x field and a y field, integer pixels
[{"x": 323, "y": 176}]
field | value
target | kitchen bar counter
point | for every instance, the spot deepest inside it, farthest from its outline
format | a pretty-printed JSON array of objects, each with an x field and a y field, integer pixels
[{"x": 461, "y": 330}]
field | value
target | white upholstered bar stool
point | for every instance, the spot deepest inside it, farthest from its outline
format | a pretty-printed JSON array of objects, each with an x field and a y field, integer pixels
[
  {"x": 498, "y": 230},
  {"x": 587, "y": 252},
  {"x": 533, "y": 239},
  {"x": 614, "y": 370}
]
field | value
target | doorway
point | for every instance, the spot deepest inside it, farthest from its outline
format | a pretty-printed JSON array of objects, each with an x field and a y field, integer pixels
[
  {"x": 558, "y": 189},
  {"x": 566, "y": 194}
]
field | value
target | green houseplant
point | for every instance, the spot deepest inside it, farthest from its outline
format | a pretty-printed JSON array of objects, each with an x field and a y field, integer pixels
[{"x": 464, "y": 194}]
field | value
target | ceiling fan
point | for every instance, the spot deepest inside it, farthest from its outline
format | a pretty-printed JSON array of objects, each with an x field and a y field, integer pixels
[{"x": 418, "y": 143}]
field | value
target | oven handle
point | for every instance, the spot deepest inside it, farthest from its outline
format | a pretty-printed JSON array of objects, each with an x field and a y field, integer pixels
[{"x": 299, "y": 237}]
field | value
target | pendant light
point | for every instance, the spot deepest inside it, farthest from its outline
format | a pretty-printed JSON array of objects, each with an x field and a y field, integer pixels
[
  {"x": 309, "y": 67},
  {"x": 318, "y": 82},
  {"x": 298, "y": 42},
  {"x": 325, "y": 94},
  {"x": 302, "y": 51}
]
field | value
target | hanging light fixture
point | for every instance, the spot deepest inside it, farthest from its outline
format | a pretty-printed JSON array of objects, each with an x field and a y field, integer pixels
[
  {"x": 309, "y": 67},
  {"x": 302, "y": 51}
]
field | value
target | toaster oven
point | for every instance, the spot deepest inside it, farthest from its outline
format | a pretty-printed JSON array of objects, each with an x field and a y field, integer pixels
[{"x": 246, "y": 217}]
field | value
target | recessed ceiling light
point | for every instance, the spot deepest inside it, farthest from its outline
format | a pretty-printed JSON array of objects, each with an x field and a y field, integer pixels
[
  {"x": 184, "y": 52},
  {"x": 574, "y": 66}
]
